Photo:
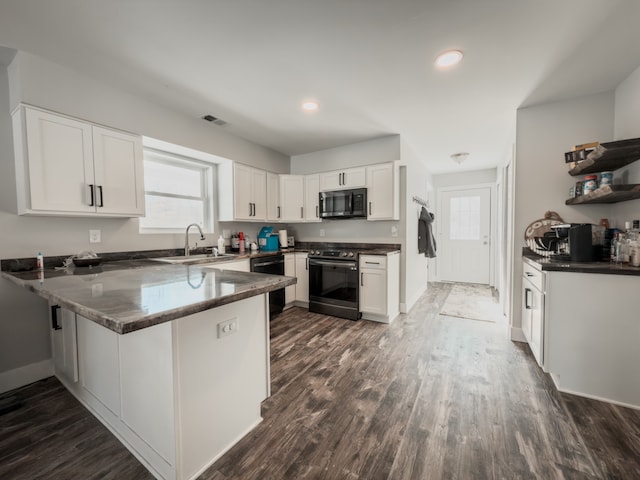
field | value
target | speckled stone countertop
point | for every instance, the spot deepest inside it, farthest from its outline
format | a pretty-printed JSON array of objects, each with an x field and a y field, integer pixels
[
  {"x": 554, "y": 265},
  {"x": 126, "y": 296}
]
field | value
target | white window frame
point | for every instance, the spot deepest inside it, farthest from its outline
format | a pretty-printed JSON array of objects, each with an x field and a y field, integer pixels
[{"x": 208, "y": 170}]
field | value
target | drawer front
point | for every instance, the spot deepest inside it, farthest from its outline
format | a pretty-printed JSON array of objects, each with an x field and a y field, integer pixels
[
  {"x": 534, "y": 276},
  {"x": 373, "y": 261}
]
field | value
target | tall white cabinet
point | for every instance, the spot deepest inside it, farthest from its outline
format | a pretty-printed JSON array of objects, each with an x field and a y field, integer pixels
[
  {"x": 69, "y": 167},
  {"x": 383, "y": 191}
]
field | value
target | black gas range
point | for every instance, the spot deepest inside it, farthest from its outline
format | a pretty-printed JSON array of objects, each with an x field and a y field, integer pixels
[{"x": 333, "y": 282}]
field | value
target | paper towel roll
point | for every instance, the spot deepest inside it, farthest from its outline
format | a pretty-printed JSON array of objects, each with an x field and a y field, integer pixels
[{"x": 282, "y": 237}]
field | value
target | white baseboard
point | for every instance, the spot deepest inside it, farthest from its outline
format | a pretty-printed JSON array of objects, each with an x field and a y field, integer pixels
[
  {"x": 19, "y": 377},
  {"x": 517, "y": 335},
  {"x": 406, "y": 306},
  {"x": 556, "y": 382}
]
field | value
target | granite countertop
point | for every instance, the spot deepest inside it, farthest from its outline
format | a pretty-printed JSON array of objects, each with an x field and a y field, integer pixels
[
  {"x": 126, "y": 296},
  {"x": 554, "y": 265}
]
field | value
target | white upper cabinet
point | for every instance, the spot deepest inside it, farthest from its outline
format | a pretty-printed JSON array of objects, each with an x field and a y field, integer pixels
[
  {"x": 341, "y": 179},
  {"x": 273, "y": 197},
  {"x": 292, "y": 198},
  {"x": 69, "y": 167},
  {"x": 118, "y": 170},
  {"x": 311, "y": 198},
  {"x": 383, "y": 191},
  {"x": 242, "y": 192}
]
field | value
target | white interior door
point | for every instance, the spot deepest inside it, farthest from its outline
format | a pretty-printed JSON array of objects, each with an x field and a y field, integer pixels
[{"x": 464, "y": 240}]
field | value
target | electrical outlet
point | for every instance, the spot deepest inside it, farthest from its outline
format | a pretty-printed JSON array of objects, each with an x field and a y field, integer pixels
[
  {"x": 95, "y": 236},
  {"x": 394, "y": 231},
  {"x": 228, "y": 327},
  {"x": 322, "y": 232}
]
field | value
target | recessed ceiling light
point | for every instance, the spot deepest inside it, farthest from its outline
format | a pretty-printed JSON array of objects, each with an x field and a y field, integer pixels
[
  {"x": 448, "y": 58},
  {"x": 310, "y": 106}
]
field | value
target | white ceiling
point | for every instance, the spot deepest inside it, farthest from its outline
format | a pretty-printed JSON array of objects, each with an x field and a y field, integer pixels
[{"x": 368, "y": 62}]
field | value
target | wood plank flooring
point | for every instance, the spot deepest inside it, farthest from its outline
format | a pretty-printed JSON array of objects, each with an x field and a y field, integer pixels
[{"x": 428, "y": 397}]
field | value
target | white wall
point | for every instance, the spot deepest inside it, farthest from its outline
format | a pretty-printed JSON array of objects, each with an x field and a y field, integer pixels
[
  {"x": 544, "y": 133},
  {"x": 474, "y": 177},
  {"x": 24, "y": 323},
  {"x": 416, "y": 181},
  {"x": 627, "y": 125}
]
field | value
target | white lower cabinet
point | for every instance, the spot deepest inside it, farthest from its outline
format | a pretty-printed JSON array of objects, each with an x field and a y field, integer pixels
[
  {"x": 380, "y": 287},
  {"x": 533, "y": 310},
  {"x": 243, "y": 265},
  {"x": 64, "y": 346},
  {"x": 167, "y": 391},
  {"x": 289, "y": 271},
  {"x": 302, "y": 274}
]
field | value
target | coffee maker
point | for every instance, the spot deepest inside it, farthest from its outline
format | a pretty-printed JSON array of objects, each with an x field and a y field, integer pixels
[{"x": 575, "y": 242}]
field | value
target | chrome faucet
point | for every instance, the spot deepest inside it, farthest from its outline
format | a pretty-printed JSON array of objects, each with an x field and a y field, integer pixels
[{"x": 187, "y": 250}]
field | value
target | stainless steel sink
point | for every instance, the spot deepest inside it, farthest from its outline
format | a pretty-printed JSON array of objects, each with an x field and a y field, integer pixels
[{"x": 194, "y": 259}]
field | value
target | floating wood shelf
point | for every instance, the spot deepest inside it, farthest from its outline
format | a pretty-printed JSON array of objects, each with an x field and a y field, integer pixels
[
  {"x": 608, "y": 194},
  {"x": 609, "y": 156}
]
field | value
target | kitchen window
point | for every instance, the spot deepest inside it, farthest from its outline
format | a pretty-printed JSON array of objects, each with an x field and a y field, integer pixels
[{"x": 178, "y": 192}]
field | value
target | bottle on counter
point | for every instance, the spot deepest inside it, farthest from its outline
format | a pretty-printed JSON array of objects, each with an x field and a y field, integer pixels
[
  {"x": 221, "y": 244},
  {"x": 241, "y": 243},
  {"x": 39, "y": 261}
]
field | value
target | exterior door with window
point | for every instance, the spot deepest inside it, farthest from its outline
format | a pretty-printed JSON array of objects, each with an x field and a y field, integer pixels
[{"x": 464, "y": 240}]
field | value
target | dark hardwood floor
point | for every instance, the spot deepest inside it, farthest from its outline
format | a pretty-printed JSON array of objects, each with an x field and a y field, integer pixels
[{"x": 428, "y": 397}]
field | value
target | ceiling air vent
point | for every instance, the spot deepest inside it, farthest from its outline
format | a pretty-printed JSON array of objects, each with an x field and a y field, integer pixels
[{"x": 214, "y": 120}]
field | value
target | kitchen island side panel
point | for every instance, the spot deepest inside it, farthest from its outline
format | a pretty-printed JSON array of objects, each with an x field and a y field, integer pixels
[
  {"x": 593, "y": 333},
  {"x": 221, "y": 379}
]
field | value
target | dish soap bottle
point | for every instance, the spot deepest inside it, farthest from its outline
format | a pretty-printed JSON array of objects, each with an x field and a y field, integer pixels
[
  {"x": 220, "y": 244},
  {"x": 39, "y": 261}
]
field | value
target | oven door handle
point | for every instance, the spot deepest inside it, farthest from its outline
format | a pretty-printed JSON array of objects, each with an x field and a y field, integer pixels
[
  {"x": 266, "y": 264},
  {"x": 329, "y": 263}
]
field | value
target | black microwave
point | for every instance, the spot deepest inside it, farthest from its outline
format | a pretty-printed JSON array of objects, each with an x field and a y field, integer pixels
[{"x": 344, "y": 203}]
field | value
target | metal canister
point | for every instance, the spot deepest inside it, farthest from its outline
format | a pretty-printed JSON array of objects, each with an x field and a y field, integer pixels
[
  {"x": 590, "y": 184},
  {"x": 579, "y": 188}
]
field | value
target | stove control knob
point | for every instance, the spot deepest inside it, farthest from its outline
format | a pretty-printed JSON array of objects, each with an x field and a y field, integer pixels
[
  {"x": 343, "y": 254},
  {"x": 351, "y": 254}
]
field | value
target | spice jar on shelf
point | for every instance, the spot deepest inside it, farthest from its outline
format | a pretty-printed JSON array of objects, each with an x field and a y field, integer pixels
[{"x": 590, "y": 184}]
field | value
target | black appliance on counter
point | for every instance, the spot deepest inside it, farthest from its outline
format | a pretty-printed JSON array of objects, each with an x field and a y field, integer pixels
[
  {"x": 575, "y": 243},
  {"x": 273, "y": 264},
  {"x": 344, "y": 203},
  {"x": 333, "y": 283}
]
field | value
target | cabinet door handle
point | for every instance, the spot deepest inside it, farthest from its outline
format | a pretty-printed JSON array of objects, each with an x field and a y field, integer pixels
[
  {"x": 92, "y": 202},
  {"x": 528, "y": 274},
  {"x": 54, "y": 317},
  {"x": 307, "y": 265},
  {"x": 278, "y": 211},
  {"x": 362, "y": 279},
  {"x": 372, "y": 263},
  {"x": 301, "y": 212},
  {"x": 317, "y": 211},
  {"x": 527, "y": 293},
  {"x": 369, "y": 208},
  {"x": 101, "y": 196}
]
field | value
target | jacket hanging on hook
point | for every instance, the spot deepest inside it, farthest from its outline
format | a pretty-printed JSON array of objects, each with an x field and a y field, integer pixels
[{"x": 426, "y": 240}]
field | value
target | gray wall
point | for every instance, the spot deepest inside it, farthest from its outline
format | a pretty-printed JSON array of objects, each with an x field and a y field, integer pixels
[
  {"x": 24, "y": 337},
  {"x": 542, "y": 183}
]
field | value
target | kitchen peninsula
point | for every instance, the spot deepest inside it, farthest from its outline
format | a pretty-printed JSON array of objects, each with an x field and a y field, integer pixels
[
  {"x": 581, "y": 322},
  {"x": 173, "y": 359}
]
